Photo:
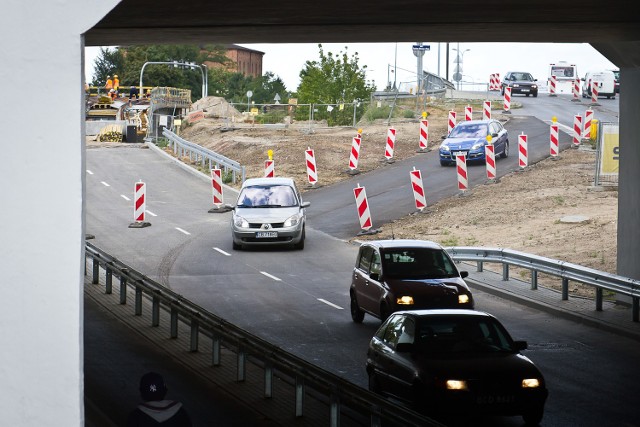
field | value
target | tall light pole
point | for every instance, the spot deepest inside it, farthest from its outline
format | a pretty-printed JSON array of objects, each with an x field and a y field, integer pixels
[{"x": 457, "y": 72}]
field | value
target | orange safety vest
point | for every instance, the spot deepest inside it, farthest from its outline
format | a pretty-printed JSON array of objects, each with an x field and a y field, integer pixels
[
  {"x": 116, "y": 84},
  {"x": 109, "y": 84}
]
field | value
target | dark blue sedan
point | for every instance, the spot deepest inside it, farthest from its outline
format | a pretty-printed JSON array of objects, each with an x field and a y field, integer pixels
[{"x": 470, "y": 137}]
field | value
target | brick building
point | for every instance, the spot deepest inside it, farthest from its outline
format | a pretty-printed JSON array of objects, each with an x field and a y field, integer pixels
[{"x": 242, "y": 60}]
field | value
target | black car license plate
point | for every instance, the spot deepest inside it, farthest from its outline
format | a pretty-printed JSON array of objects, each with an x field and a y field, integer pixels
[
  {"x": 266, "y": 234},
  {"x": 495, "y": 399}
]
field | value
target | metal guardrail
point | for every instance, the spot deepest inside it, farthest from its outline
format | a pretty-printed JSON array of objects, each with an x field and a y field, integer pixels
[
  {"x": 203, "y": 155},
  {"x": 342, "y": 397},
  {"x": 565, "y": 270}
]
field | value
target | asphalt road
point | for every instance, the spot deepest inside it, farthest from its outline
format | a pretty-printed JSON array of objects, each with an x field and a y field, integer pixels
[{"x": 299, "y": 299}]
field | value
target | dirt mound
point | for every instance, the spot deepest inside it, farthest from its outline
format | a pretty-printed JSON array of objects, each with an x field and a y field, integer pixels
[{"x": 216, "y": 107}]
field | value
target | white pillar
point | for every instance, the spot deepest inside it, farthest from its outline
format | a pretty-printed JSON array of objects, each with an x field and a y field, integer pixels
[{"x": 42, "y": 185}]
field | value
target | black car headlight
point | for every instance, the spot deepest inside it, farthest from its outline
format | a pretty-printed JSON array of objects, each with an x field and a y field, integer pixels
[
  {"x": 531, "y": 383},
  {"x": 464, "y": 299},
  {"x": 404, "y": 300}
]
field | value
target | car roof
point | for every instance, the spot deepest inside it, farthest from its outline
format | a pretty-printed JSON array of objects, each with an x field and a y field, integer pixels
[
  {"x": 403, "y": 243},
  {"x": 267, "y": 181},
  {"x": 444, "y": 312},
  {"x": 476, "y": 122}
]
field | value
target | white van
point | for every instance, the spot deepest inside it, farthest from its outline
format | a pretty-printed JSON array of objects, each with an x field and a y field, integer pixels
[{"x": 605, "y": 81}]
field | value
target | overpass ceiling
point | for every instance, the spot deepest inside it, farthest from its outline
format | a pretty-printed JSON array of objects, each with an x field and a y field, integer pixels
[{"x": 134, "y": 22}]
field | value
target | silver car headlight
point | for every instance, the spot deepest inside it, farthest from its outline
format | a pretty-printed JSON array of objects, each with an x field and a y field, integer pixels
[
  {"x": 293, "y": 220},
  {"x": 477, "y": 145},
  {"x": 240, "y": 222},
  {"x": 444, "y": 147},
  {"x": 516, "y": 85}
]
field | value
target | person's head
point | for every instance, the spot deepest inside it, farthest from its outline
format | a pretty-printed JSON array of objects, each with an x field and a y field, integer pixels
[
  {"x": 115, "y": 76},
  {"x": 152, "y": 387},
  {"x": 108, "y": 77}
]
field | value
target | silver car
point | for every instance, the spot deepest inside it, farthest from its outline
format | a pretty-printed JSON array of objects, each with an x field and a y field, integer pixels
[{"x": 269, "y": 211}]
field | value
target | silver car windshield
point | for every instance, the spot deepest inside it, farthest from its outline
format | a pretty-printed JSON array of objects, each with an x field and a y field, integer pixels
[{"x": 273, "y": 196}]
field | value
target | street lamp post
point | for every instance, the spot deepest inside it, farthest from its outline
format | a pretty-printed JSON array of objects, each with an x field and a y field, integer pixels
[
  {"x": 389, "y": 71},
  {"x": 457, "y": 72}
]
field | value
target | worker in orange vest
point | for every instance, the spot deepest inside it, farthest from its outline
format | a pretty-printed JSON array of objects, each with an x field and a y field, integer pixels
[
  {"x": 109, "y": 85},
  {"x": 116, "y": 82}
]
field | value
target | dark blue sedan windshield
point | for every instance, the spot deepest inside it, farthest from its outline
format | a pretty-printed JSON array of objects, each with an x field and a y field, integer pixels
[{"x": 469, "y": 131}]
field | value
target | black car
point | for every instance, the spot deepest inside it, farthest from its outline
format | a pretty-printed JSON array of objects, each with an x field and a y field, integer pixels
[
  {"x": 520, "y": 83},
  {"x": 404, "y": 274},
  {"x": 445, "y": 363}
]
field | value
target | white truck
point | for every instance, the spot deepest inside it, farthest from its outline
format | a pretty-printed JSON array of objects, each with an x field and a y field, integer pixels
[{"x": 566, "y": 74}]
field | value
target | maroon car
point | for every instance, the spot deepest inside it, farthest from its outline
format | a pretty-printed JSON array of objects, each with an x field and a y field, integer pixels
[{"x": 392, "y": 275}]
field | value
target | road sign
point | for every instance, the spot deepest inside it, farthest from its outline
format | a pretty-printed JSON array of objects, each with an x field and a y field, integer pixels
[
  {"x": 457, "y": 77},
  {"x": 424, "y": 47}
]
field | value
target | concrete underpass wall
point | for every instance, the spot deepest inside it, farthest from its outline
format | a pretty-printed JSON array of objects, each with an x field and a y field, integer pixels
[
  {"x": 41, "y": 215},
  {"x": 629, "y": 180}
]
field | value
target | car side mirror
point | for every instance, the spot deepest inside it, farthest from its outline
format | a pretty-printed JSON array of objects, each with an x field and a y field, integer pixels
[
  {"x": 520, "y": 345},
  {"x": 305, "y": 204},
  {"x": 374, "y": 276},
  {"x": 443, "y": 137},
  {"x": 464, "y": 274},
  {"x": 494, "y": 135},
  {"x": 404, "y": 347}
]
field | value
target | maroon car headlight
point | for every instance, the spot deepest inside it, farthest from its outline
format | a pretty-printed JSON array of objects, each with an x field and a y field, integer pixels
[
  {"x": 531, "y": 383},
  {"x": 404, "y": 300},
  {"x": 464, "y": 299}
]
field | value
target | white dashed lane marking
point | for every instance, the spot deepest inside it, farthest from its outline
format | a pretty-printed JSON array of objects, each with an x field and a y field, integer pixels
[
  {"x": 270, "y": 276},
  {"x": 183, "y": 231},
  {"x": 222, "y": 252},
  {"x": 105, "y": 184},
  {"x": 89, "y": 172},
  {"x": 151, "y": 213},
  {"x": 125, "y": 197},
  {"x": 330, "y": 304}
]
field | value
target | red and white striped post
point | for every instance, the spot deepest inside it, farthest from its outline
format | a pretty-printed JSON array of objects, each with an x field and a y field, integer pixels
[
  {"x": 423, "y": 144},
  {"x": 461, "y": 169},
  {"x": 363, "y": 208},
  {"x": 553, "y": 83},
  {"x": 486, "y": 110},
  {"x": 576, "y": 90},
  {"x": 451, "y": 123},
  {"x": 523, "y": 153},
  {"x": 216, "y": 185},
  {"x": 391, "y": 142},
  {"x": 468, "y": 113},
  {"x": 139, "y": 205},
  {"x": 312, "y": 172},
  {"x": 418, "y": 189},
  {"x": 588, "y": 119},
  {"x": 490, "y": 159},
  {"x": 594, "y": 93},
  {"x": 577, "y": 130},
  {"x": 269, "y": 168},
  {"x": 354, "y": 155},
  {"x": 554, "y": 144},
  {"x": 507, "y": 99}
]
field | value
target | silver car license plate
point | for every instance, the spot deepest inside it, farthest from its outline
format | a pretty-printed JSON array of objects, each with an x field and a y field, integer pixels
[
  {"x": 459, "y": 153},
  {"x": 266, "y": 234},
  {"x": 524, "y": 90}
]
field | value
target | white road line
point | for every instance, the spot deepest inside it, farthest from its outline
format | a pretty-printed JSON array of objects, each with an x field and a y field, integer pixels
[
  {"x": 151, "y": 213},
  {"x": 222, "y": 252},
  {"x": 105, "y": 184},
  {"x": 89, "y": 172},
  {"x": 270, "y": 276},
  {"x": 182, "y": 231},
  {"x": 330, "y": 304},
  {"x": 125, "y": 197}
]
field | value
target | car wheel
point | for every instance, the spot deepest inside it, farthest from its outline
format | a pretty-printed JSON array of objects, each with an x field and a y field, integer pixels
[
  {"x": 300, "y": 244},
  {"x": 533, "y": 417},
  {"x": 505, "y": 152},
  {"x": 535, "y": 95},
  {"x": 356, "y": 312},
  {"x": 236, "y": 247},
  {"x": 528, "y": 95},
  {"x": 374, "y": 385}
]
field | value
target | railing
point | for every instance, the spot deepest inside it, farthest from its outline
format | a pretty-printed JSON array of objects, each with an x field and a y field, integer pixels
[
  {"x": 565, "y": 270},
  {"x": 200, "y": 154},
  {"x": 342, "y": 397}
]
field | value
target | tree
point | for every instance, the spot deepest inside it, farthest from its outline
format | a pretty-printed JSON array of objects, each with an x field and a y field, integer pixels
[
  {"x": 108, "y": 63},
  {"x": 334, "y": 79}
]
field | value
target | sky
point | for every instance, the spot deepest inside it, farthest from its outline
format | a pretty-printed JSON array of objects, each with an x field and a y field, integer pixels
[{"x": 479, "y": 60}]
